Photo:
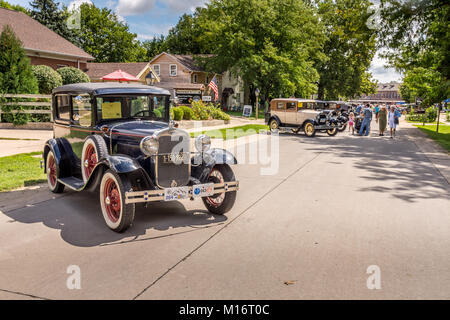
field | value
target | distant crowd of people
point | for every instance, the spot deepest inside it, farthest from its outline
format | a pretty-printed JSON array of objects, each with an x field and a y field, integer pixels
[{"x": 384, "y": 115}]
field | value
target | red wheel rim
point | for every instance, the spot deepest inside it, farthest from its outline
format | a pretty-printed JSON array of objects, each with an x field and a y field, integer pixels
[
  {"x": 111, "y": 200},
  {"x": 90, "y": 160},
  {"x": 51, "y": 170},
  {"x": 216, "y": 200}
]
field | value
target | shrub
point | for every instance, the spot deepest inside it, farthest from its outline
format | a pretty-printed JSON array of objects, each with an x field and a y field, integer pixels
[
  {"x": 200, "y": 110},
  {"x": 188, "y": 114},
  {"x": 72, "y": 75},
  {"x": 431, "y": 114},
  {"x": 48, "y": 79},
  {"x": 448, "y": 115},
  {"x": 177, "y": 113}
]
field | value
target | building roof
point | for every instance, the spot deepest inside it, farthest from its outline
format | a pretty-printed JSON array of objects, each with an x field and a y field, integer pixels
[
  {"x": 190, "y": 62},
  {"x": 391, "y": 86},
  {"x": 96, "y": 71},
  {"x": 101, "y": 88},
  {"x": 37, "y": 37},
  {"x": 187, "y": 60}
]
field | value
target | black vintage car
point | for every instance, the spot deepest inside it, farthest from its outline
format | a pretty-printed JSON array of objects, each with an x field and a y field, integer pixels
[{"x": 119, "y": 139}]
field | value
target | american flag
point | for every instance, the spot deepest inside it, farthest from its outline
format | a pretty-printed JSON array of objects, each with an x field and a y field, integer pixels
[{"x": 213, "y": 85}]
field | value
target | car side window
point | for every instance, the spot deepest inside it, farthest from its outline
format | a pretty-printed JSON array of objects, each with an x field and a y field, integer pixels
[
  {"x": 280, "y": 105},
  {"x": 82, "y": 110},
  {"x": 63, "y": 107},
  {"x": 291, "y": 106}
]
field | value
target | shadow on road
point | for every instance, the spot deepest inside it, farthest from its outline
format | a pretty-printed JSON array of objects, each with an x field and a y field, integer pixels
[
  {"x": 79, "y": 218},
  {"x": 396, "y": 166}
]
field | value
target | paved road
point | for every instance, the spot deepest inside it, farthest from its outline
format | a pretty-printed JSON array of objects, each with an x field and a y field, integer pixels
[{"x": 336, "y": 206}]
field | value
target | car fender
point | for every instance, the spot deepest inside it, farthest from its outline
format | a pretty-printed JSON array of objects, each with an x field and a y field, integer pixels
[
  {"x": 121, "y": 163},
  {"x": 274, "y": 117},
  {"x": 62, "y": 159}
]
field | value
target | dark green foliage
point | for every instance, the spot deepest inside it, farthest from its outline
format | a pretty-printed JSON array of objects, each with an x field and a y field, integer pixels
[
  {"x": 178, "y": 113},
  {"x": 48, "y": 13},
  {"x": 16, "y": 75},
  {"x": 72, "y": 75},
  {"x": 48, "y": 79},
  {"x": 188, "y": 114}
]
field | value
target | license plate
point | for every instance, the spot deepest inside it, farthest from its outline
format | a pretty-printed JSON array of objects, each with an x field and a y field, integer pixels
[
  {"x": 203, "y": 190},
  {"x": 179, "y": 193}
]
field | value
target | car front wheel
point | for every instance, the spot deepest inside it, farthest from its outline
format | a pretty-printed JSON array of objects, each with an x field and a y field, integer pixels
[
  {"x": 118, "y": 215},
  {"x": 309, "y": 129},
  {"x": 274, "y": 125},
  {"x": 223, "y": 202}
]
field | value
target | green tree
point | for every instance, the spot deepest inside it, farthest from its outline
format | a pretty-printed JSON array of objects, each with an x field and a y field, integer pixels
[
  {"x": 349, "y": 48},
  {"x": 416, "y": 34},
  {"x": 154, "y": 47},
  {"x": 106, "y": 38},
  {"x": 5, "y": 4},
  {"x": 16, "y": 75},
  {"x": 47, "y": 12},
  {"x": 271, "y": 44},
  {"x": 186, "y": 36},
  {"x": 420, "y": 83}
]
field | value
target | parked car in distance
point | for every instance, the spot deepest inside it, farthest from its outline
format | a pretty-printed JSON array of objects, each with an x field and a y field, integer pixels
[
  {"x": 119, "y": 139},
  {"x": 300, "y": 114}
]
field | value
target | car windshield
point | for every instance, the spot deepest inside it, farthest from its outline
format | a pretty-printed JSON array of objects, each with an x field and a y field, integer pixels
[{"x": 126, "y": 107}]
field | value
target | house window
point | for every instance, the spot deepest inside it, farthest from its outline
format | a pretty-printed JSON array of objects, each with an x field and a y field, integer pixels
[
  {"x": 195, "y": 78},
  {"x": 207, "y": 80},
  {"x": 156, "y": 68},
  {"x": 173, "y": 70}
]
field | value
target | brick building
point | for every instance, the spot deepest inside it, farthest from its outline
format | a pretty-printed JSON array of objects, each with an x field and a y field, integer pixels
[{"x": 42, "y": 45}]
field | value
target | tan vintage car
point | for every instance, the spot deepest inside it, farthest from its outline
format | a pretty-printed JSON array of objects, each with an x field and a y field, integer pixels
[{"x": 300, "y": 114}]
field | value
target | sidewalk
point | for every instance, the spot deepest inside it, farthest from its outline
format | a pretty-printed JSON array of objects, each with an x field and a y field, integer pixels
[{"x": 433, "y": 151}]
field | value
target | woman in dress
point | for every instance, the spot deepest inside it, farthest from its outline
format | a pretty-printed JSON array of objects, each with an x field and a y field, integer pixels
[
  {"x": 382, "y": 119},
  {"x": 393, "y": 118}
]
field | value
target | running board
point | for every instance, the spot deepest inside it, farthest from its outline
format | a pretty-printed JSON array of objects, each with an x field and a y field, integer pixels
[{"x": 73, "y": 183}]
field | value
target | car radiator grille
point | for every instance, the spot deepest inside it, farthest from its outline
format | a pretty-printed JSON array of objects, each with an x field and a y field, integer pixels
[{"x": 173, "y": 160}]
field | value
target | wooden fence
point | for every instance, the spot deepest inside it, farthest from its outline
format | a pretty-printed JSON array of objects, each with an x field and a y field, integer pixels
[{"x": 44, "y": 106}]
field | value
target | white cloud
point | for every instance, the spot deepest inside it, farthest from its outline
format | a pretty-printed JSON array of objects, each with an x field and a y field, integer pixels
[
  {"x": 382, "y": 73},
  {"x": 75, "y": 4},
  {"x": 133, "y": 7},
  {"x": 149, "y": 31},
  {"x": 184, "y": 5}
]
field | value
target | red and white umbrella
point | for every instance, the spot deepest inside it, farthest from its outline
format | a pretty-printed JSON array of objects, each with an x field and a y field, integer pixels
[{"x": 120, "y": 75}]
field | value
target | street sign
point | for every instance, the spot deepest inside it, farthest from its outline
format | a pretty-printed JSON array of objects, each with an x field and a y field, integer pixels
[{"x": 247, "y": 111}]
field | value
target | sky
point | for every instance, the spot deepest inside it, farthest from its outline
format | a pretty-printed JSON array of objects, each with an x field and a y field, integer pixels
[{"x": 150, "y": 18}]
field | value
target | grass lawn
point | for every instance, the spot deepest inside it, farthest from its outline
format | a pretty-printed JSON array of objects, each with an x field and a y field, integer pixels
[
  {"x": 443, "y": 137},
  {"x": 239, "y": 114},
  {"x": 232, "y": 133},
  {"x": 21, "y": 170}
]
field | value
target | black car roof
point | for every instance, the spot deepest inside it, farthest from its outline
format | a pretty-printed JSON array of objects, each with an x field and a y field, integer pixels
[{"x": 101, "y": 88}]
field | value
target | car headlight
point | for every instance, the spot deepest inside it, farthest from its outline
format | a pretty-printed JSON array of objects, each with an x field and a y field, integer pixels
[
  {"x": 149, "y": 146},
  {"x": 202, "y": 143}
]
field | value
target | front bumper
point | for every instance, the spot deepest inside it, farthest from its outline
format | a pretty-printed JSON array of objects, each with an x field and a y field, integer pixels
[{"x": 190, "y": 192}]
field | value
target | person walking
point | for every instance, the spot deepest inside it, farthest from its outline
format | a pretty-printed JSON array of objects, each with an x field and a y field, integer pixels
[
  {"x": 382, "y": 119},
  {"x": 394, "y": 116},
  {"x": 365, "y": 126}
]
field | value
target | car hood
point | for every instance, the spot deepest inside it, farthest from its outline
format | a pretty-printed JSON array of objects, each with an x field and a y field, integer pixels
[{"x": 136, "y": 129}]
